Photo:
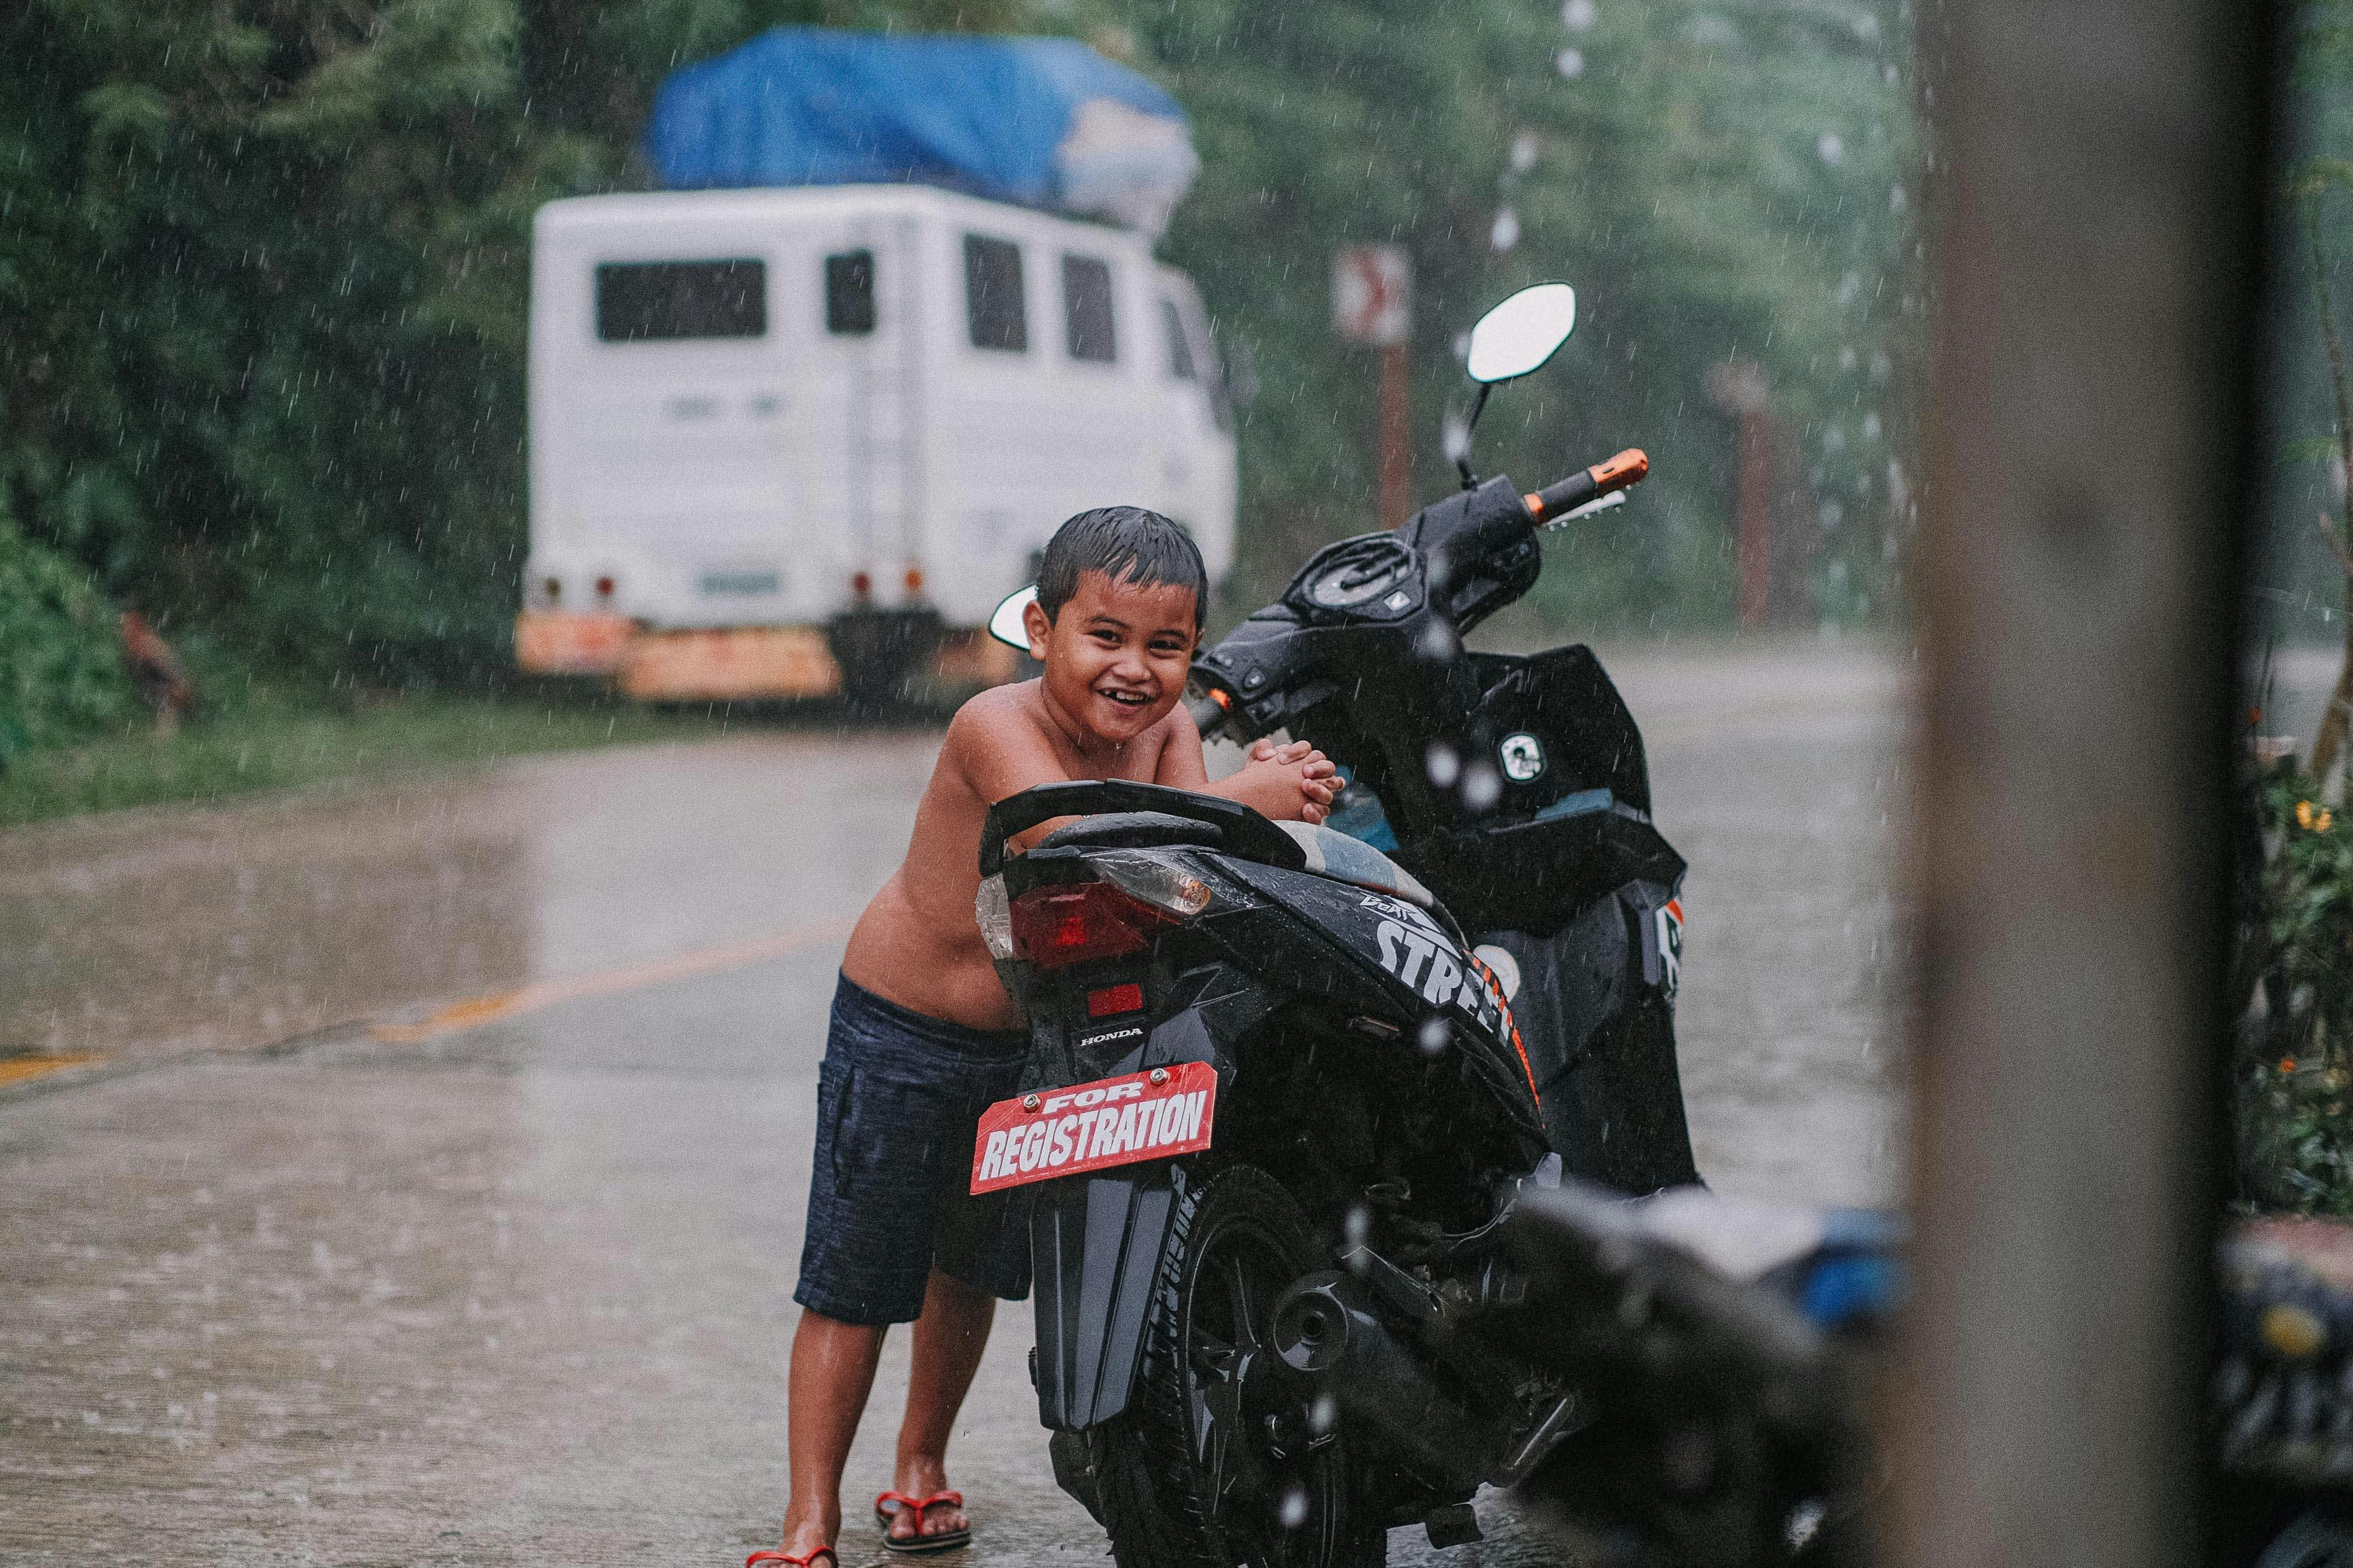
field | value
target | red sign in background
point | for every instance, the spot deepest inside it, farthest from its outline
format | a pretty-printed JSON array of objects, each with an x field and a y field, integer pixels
[{"x": 1094, "y": 1126}]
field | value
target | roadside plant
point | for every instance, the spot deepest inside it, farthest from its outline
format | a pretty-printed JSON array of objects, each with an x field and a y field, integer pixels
[
  {"x": 2294, "y": 1058},
  {"x": 61, "y": 673}
]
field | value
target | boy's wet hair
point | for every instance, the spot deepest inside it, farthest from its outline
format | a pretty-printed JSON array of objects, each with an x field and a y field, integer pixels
[{"x": 1122, "y": 542}]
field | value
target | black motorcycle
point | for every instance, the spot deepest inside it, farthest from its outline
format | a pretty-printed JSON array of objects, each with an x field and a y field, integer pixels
[{"x": 1288, "y": 1084}]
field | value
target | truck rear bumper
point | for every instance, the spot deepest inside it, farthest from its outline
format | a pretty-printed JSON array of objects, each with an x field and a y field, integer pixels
[
  {"x": 738, "y": 664},
  {"x": 562, "y": 642}
]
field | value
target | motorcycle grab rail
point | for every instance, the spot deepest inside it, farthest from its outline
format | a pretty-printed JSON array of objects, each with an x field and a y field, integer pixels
[{"x": 1245, "y": 832}]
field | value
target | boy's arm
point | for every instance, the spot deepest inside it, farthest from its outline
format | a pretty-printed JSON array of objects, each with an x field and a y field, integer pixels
[
  {"x": 997, "y": 752},
  {"x": 1294, "y": 782}
]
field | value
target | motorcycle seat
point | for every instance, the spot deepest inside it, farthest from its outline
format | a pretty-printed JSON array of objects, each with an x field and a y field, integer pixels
[{"x": 1352, "y": 860}]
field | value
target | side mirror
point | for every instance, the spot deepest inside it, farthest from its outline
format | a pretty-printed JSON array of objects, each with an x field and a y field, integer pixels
[
  {"x": 1519, "y": 335},
  {"x": 1005, "y": 624}
]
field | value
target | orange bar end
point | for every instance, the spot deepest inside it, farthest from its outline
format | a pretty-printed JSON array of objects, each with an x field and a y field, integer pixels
[{"x": 1627, "y": 467}]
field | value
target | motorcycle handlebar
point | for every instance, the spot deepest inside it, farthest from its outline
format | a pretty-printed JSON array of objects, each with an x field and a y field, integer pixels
[
  {"x": 1209, "y": 710},
  {"x": 1620, "y": 472}
]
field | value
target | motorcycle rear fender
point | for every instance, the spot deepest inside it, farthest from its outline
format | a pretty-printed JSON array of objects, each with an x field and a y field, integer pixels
[{"x": 1095, "y": 1244}]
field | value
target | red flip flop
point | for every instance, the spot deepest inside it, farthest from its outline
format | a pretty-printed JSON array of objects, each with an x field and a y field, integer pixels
[
  {"x": 944, "y": 1541},
  {"x": 793, "y": 1560}
]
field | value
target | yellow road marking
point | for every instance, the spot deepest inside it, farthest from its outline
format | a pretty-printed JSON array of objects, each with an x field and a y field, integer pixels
[
  {"x": 24, "y": 1069},
  {"x": 476, "y": 1011}
]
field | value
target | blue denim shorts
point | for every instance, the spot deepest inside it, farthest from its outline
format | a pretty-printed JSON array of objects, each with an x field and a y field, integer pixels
[{"x": 899, "y": 1098}]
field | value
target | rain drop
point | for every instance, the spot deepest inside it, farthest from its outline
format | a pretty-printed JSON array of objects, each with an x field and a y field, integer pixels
[
  {"x": 1523, "y": 151},
  {"x": 1483, "y": 786},
  {"x": 1435, "y": 1036},
  {"x": 1443, "y": 763},
  {"x": 1507, "y": 232},
  {"x": 1578, "y": 15},
  {"x": 1570, "y": 63},
  {"x": 1294, "y": 1508},
  {"x": 1358, "y": 1224},
  {"x": 1322, "y": 1415},
  {"x": 1830, "y": 147}
]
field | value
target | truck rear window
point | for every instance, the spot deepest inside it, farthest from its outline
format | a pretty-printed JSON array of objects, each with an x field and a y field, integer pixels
[
  {"x": 658, "y": 301},
  {"x": 849, "y": 292},
  {"x": 1180, "y": 352},
  {"x": 994, "y": 310},
  {"x": 1086, "y": 309}
]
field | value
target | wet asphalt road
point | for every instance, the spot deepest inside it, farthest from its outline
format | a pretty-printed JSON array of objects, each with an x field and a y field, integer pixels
[{"x": 437, "y": 1196}]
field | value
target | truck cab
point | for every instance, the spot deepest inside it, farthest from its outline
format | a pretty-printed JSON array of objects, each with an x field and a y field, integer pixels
[{"x": 793, "y": 441}]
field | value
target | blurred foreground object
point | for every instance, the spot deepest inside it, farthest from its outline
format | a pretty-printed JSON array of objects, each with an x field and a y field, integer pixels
[
  {"x": 2099, "y": 286},
  {"x": 798, "y": 423},
  {"x": 1721, "y": 1350},
  {"x": 163, "y": 686}
]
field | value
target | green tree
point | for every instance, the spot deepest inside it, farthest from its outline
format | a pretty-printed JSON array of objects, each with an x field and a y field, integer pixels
[
  {"x": 1719, "y": 180},
  {"x": 264, "y": 271}
]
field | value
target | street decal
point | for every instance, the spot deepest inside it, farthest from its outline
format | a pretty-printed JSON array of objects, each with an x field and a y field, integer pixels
[
  {"x": 1416, "y": 949},
  {"x": 1095, "y": 1126}
]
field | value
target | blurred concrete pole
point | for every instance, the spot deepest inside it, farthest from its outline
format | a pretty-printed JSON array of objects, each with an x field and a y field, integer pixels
[
  {"x": 2101, "y": 195},
  {"x": 1738, "y": 388},
  {"x": 1754, "y": 518},
  {"x": 1397, "y": 439}
]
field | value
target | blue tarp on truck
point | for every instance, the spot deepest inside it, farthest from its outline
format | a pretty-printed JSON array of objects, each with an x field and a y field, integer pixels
[{"x": 1046, "y": 122}]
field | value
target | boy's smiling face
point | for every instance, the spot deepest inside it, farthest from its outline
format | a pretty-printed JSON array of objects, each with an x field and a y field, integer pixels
[{"x": 1117, "y": 656}]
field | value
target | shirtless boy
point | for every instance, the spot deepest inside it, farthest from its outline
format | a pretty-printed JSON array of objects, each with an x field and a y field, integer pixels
[{"x": 924, "y": 1036}]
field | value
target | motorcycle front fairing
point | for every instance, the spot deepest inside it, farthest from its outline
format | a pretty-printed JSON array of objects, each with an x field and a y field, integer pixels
[{"x": 1558, "y": 864}]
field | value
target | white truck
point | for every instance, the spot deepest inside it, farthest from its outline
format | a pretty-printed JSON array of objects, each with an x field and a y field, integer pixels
[{"x": 792, "y": 441}]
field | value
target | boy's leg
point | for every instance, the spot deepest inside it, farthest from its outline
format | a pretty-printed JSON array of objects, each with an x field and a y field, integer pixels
[
  {"x": 948, "y": 1341},
  {"x": 832, "y": 1373}
]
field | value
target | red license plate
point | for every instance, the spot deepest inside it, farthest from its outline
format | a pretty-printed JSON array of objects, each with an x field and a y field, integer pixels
[{"x": 1094, "y": 1126}]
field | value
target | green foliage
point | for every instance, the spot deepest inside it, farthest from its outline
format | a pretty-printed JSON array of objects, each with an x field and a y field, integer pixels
[
  {"x": 264, "y": 272},
  {"x": 61, "y": 674},
  {"x": 2295, "y": 1139},
  {"x": 2299, "y": 582},
  {"x": 267, "y": 739},
  {"x": 1719, "y": 180}
]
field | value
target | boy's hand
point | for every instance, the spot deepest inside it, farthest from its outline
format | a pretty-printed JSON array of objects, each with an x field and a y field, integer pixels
[{"x": 1289, "y": 782}]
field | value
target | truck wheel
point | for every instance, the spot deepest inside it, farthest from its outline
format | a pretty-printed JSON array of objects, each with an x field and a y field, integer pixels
[
  {"x": 879, "y": 651},
  {"x": 1217, "y": 1459}
]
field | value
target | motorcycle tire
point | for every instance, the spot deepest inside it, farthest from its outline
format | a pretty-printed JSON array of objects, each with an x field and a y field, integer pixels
[{"x": 1218, "y": 1460}]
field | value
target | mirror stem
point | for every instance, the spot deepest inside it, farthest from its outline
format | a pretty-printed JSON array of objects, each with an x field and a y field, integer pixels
[{"x": 1462, "y": 463}]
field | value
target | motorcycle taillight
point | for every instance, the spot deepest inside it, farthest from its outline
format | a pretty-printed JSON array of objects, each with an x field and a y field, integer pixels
[{"x": 1073, "y": 924}]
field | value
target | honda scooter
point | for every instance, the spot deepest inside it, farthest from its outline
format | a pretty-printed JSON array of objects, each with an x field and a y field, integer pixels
[{"x": 1289, "y": 1083}]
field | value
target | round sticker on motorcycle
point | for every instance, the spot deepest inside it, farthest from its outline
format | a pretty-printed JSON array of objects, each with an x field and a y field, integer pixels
[{"x": 1523, "y": 756}]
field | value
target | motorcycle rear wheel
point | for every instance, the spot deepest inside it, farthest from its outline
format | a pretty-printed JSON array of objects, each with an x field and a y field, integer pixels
[{"x": 1218, "y": 1460}]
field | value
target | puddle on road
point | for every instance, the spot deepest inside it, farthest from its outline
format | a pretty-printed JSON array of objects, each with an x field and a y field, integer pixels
[
  {"x": 141, "y": 933},
  {"x": 232, "y": 927}
]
